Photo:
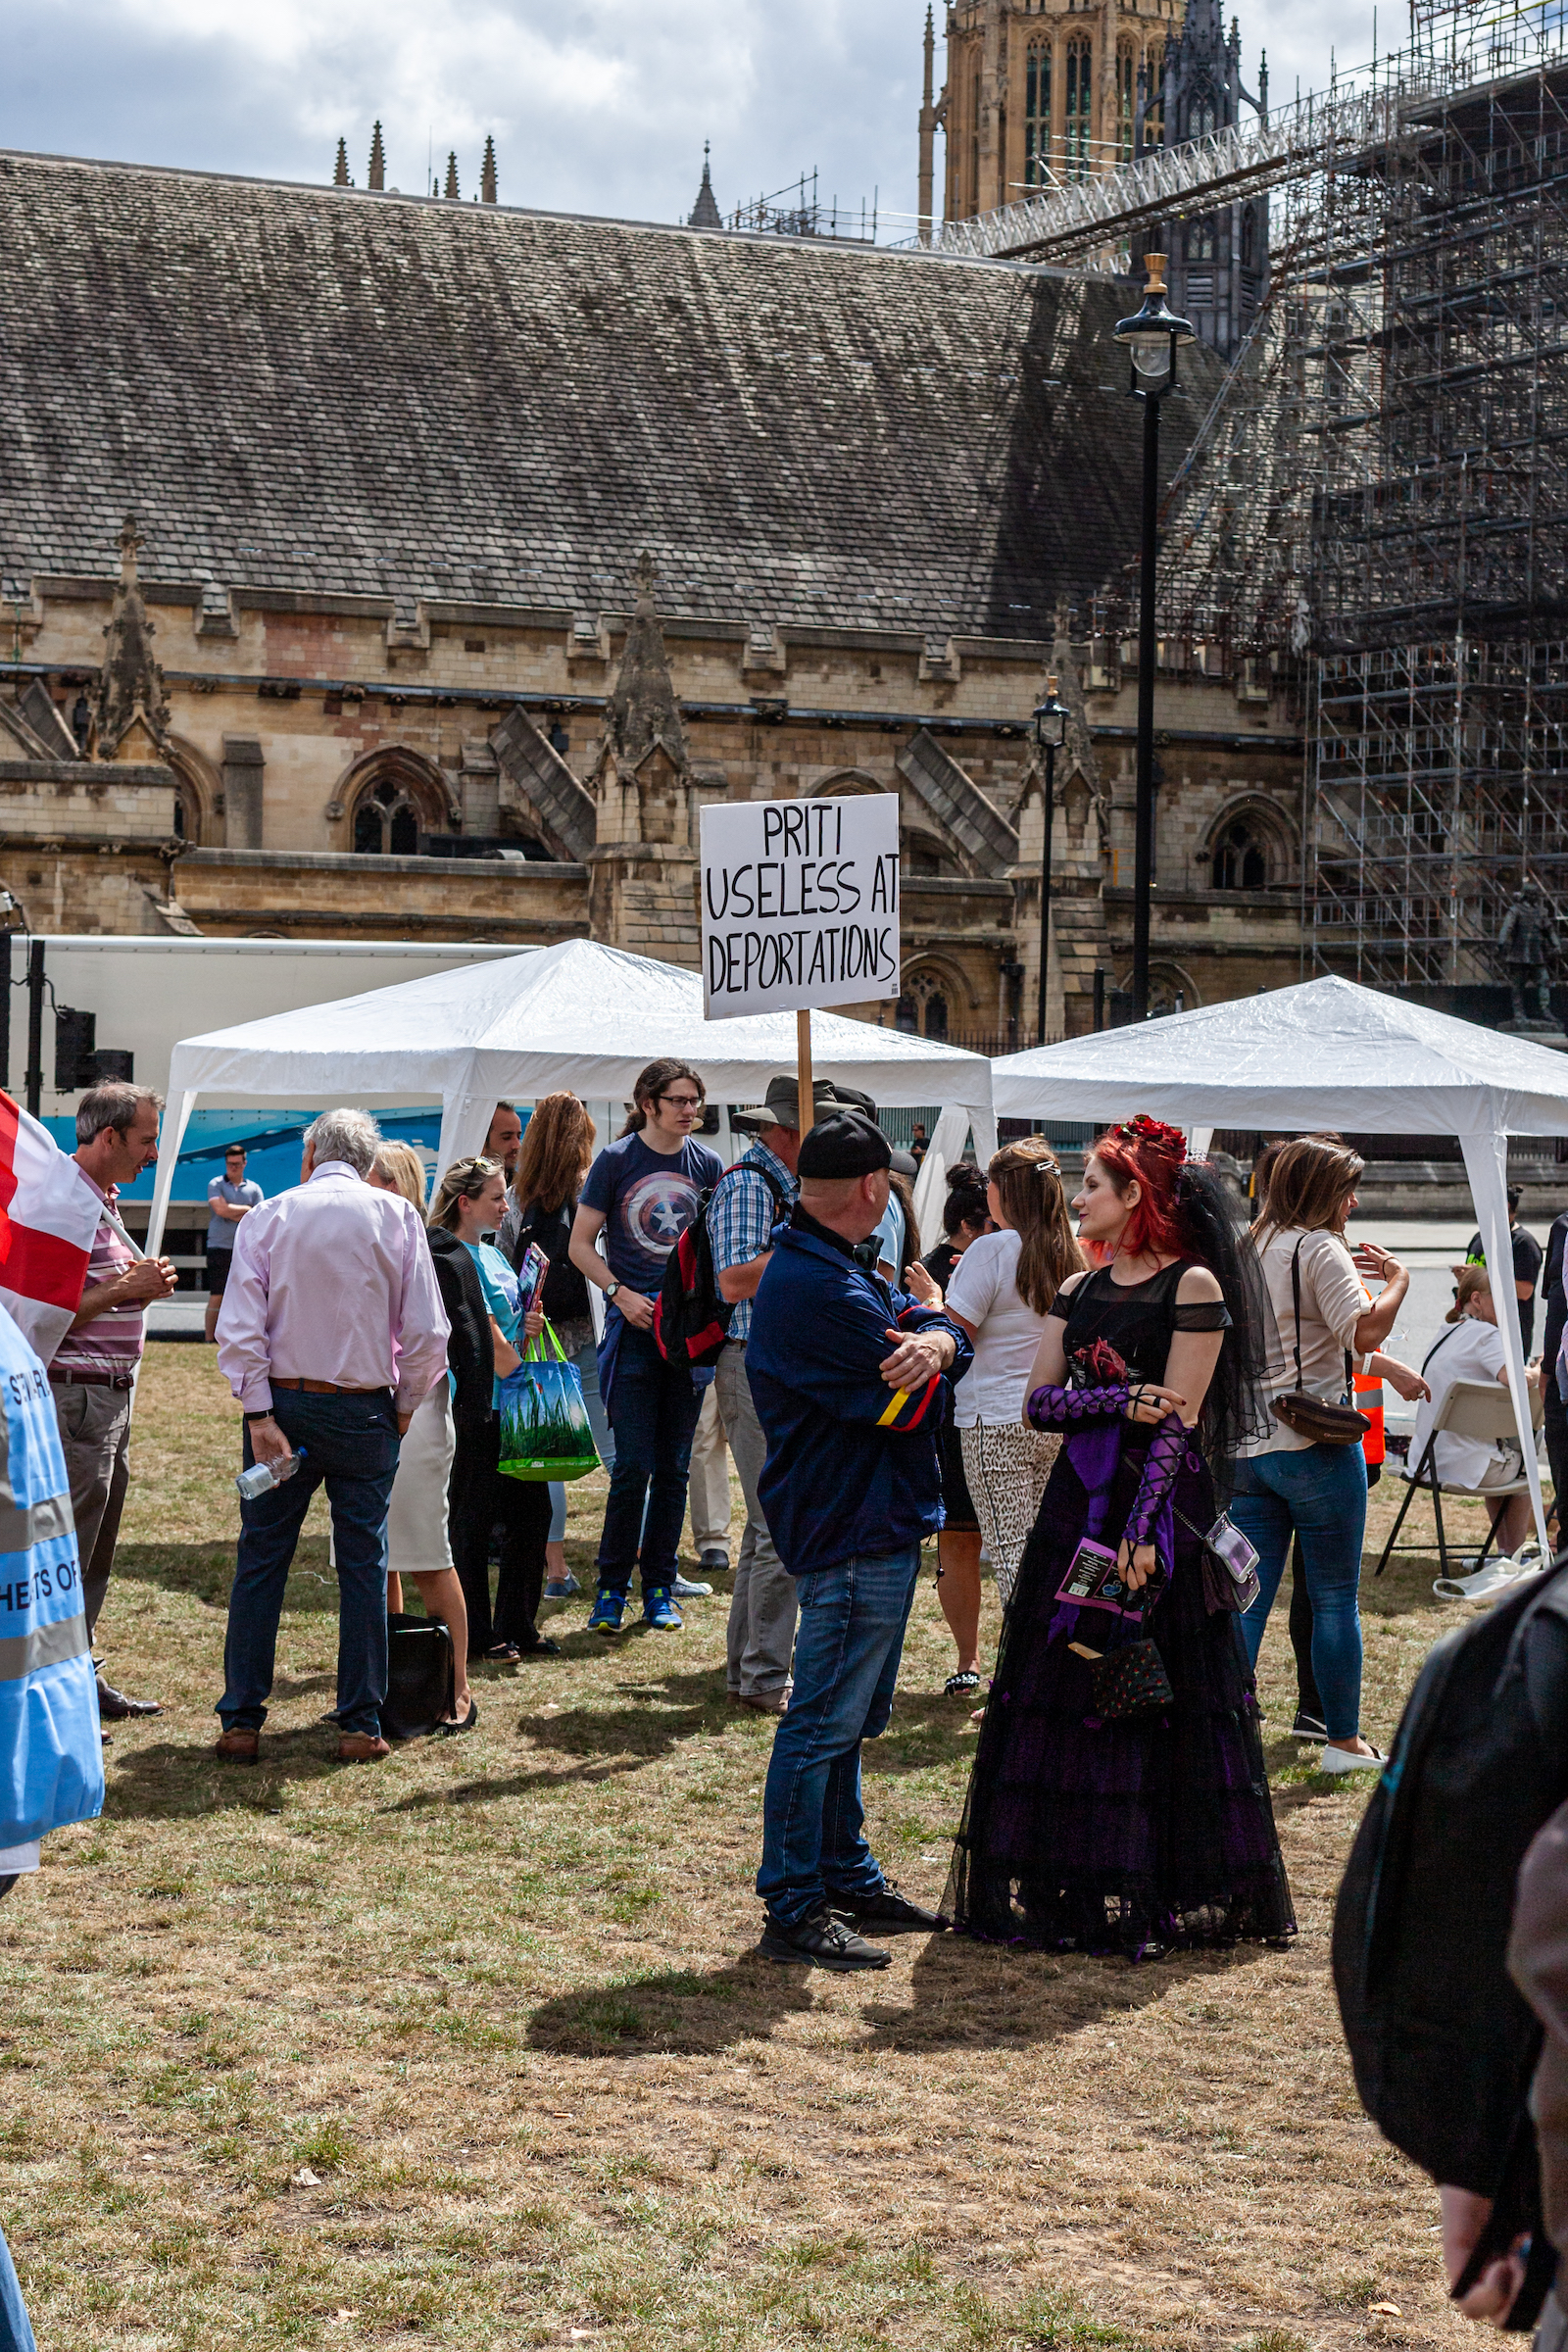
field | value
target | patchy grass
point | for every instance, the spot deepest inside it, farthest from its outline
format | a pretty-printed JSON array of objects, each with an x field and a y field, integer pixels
[{"x": 499, "y": 1997}]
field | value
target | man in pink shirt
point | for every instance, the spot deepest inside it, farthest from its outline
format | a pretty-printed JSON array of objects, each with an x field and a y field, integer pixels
[{"x": 330, "y": 1332}]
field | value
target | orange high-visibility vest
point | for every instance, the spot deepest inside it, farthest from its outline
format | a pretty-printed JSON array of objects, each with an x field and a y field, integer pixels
[{"x": 1367, "y": 1395}]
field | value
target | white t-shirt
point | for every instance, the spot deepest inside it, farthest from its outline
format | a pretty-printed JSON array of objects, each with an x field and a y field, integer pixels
[
  {"x": 1469, "y": 1349},
  {"x": 984, "y": 1290},
  {"x": 1333, "y": 1300}
]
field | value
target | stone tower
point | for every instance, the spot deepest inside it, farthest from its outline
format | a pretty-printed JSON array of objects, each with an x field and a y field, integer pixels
[
  {"x": 704, "y": 213},
  {"x": 487, "y": 171},
  {"x": 378, "y": 173},
  {"x": 1217, "y": 261}
]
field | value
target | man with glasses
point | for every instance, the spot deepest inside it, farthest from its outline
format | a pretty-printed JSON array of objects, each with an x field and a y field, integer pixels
[{"x": 642, "y": 1193}]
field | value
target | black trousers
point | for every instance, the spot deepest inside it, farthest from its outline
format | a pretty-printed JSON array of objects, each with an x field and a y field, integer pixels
[
  {"x": 479, "y": 1498},
  {"x": 1555, "y": 1420}
]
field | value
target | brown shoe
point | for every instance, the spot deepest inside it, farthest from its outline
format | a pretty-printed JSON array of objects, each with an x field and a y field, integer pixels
[
  {"x": 361, "y": 1747},
  {"x": 239, "y": 1746}
]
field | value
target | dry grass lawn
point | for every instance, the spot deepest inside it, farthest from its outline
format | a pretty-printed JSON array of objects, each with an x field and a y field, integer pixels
[{"x": 470, "y": 2048}]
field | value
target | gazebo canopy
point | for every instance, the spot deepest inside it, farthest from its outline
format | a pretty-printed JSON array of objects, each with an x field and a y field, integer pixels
[{"x": 1327, "y": 1054}]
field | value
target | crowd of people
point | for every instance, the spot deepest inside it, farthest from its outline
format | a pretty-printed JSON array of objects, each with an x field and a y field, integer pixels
[{"x": 1136, "y": 1402}]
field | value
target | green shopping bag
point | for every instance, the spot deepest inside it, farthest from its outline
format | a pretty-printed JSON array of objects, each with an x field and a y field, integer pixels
[{"x": 544, "y": 1421}]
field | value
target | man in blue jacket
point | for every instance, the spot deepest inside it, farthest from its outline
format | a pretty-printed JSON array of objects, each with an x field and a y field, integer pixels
[{"x": 851, "y": 1381}]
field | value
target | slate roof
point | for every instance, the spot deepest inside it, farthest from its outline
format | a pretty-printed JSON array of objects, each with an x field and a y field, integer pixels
[{"x": 325, "y": 389}]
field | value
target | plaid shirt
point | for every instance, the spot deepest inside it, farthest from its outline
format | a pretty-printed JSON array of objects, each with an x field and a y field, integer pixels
[
  {"x": 742, "y": 1216},
  {"x": 112, "y": 1340}
]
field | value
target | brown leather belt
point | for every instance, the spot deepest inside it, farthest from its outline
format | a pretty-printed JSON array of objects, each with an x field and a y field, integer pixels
[
  {"x": 327, "y": 1387},
  {"x": 93, "y": 1380}
]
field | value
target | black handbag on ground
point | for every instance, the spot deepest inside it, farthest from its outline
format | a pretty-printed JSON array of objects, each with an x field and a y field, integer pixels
[
  {"x": 1314, "y": 1417},
  {"x": 420, "y": 1678}
]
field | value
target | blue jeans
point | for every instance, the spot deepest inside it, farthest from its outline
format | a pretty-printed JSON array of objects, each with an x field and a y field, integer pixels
[
  {"x": 16, "y": 2328},
  {"x": 653, "y": 1411},
  {"x": 1318, "y": 1492},
  {"x": 847, "y": 1655},
  {"x": 352, "y": 1444}
]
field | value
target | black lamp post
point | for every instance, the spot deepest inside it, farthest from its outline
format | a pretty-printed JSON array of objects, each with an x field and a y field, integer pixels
[
  {"x": 1050, "y": 733},
  {"x": 1153, "y": 336}
]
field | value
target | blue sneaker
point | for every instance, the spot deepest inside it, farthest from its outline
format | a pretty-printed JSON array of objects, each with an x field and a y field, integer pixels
[
  {"x": 560, "y": 1589},
  {"x": 659, "y": 1611},
  {"x": 607, "y": 1612}
]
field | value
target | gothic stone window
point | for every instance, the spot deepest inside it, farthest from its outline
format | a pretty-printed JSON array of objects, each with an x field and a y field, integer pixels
[
  {"x": 1241, "y": 856},
  {"x": 1037, "y": 120},
  {"x": 386, "y": 820},
  {"x": 1080, "y": 95},
  {"x": 922, "y": 1009},
  {"x": 1155, "y": 104},
  {"x": 1124, "y": 103}
]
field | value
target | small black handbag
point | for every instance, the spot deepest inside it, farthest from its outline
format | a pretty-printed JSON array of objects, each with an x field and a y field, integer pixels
[
  {"x": 1130, "y": 1681},
  {"x": 420, "y": 1678},
  {"x": 1314, "y": 1417}
]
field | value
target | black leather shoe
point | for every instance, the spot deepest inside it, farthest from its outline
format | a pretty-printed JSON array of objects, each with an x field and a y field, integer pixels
[
  {"x": 820, "y": 1941},
  {"x": 113, "y": 1706},
  {"x": 889, "y": 1912}
]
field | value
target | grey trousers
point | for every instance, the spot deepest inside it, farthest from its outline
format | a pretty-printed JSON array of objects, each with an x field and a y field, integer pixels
[
  {"x": 95, "y": 1433},
  {"x": 710, "y": 1488},
  {"x": 764, "y": 1609}
]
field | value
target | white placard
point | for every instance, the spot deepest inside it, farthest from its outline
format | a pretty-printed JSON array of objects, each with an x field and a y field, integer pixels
[{"x": 800, "y": 903}]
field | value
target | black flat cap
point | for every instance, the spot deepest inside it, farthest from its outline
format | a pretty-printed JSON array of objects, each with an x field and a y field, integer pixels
[{"x": 844, "y": 1142}]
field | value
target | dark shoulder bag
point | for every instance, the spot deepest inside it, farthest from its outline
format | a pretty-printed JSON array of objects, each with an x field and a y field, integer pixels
[{"x": 1312, "y": 1417}]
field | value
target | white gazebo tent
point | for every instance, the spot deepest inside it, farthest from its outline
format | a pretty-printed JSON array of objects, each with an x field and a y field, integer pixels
[
  {"x": 1325, "y": 1054},
  {"x": 577, "y": 1015}
]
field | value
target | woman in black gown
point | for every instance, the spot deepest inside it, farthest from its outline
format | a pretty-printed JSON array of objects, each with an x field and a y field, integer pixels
[{"x": 1131, "y": 1834}]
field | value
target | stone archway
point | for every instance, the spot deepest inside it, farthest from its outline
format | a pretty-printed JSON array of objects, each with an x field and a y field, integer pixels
[
  {"x": 1252, "y": 845},
  {"x": 388, "y": 799}
]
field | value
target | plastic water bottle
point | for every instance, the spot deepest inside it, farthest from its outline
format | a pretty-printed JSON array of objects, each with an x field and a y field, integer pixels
[{"x": 261, "y": 1477}]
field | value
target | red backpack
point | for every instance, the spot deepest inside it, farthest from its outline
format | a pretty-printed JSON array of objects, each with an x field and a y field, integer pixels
[{"x": 691, "y": 1314}]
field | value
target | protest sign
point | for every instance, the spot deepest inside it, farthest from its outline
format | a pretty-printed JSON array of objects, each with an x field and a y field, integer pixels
[{"x": 800, "y": 903}]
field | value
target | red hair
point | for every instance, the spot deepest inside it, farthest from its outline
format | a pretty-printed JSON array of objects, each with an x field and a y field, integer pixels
[{"x": 1147, "y": 1151}]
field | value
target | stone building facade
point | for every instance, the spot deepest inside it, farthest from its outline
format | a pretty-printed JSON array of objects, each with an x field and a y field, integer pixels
[{"x": 475, "y": 550}]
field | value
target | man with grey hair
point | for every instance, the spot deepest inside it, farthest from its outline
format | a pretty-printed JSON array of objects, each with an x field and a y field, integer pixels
[
  {"x": 330, "y": 1332},
  {"x": 94, "y": 1373}
]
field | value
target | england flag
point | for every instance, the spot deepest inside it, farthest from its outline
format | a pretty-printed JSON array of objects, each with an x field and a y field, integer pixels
[{"x": 48, "y": 1215}]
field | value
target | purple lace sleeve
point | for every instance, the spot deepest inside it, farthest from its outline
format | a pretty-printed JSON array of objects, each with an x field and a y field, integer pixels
[
  {"x": 1056, "y": 1409},
  {"x": 1169, "y": 1443}
]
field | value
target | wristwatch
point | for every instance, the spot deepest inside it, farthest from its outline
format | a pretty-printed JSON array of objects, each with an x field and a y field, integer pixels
[{"x": 611, "y": 1287}]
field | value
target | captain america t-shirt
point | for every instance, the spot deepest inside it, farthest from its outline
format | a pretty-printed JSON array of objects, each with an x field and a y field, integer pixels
[{"x": 646, "y": 1200}]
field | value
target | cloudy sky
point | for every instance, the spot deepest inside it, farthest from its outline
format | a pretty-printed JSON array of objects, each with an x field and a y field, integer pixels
[{"x": 596, "y": 105}]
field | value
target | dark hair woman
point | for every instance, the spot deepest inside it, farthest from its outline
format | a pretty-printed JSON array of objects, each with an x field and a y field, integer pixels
[
  {"x": 965, "y": 1216},
  {"x": 1286, "y": 1484},
  {"x": 1131, "y": 1834},
  {"x": 558, "y": 1149}
]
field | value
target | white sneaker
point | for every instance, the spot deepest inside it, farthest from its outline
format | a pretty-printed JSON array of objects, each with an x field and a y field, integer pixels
[{"x": 1346, "y": 1760}]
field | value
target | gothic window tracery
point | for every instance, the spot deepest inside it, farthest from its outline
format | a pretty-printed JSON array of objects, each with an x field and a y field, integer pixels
[
  {"x": 386, "y": 822},
  {"x": 1124, "y": 102},
  {"x": 1080, "y": 98},
  {"x": 1037, "y": 117},
  {"x": 924, "y": 1007}
]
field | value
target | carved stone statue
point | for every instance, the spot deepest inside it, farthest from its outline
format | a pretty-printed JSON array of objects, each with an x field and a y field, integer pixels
[{"x": 1528, "y": 946}]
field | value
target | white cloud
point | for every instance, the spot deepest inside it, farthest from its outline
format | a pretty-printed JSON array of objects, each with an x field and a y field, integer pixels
[{"x": 596, "y": 105}]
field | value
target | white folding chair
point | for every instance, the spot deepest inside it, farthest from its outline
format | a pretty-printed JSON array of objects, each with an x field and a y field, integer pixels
[{"x": 1472, "y": 1409}]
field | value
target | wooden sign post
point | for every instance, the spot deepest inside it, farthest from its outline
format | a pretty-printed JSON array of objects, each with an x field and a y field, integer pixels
[{"x": 802, "y": 1055}]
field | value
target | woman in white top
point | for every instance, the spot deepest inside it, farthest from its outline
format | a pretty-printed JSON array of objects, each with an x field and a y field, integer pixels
[
  {"x": 1290, "y": 1484},
  {"x": 417, "y": 1537},
  {"x": 1472, "y": 1350},
  {"x": 1001, "y": 1290}
]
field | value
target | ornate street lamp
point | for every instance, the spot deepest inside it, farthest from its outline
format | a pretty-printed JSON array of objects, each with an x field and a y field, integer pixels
[
  {"x": 1050, "y": 729},
  {"x": 1153, "y": 336}
]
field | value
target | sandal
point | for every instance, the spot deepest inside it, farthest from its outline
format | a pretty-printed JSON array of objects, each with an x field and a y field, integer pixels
[
  {"x": 959, "y": 1686},
  {"x": 454, "y": 1728},
  {"x": 503, "y": 1653}
]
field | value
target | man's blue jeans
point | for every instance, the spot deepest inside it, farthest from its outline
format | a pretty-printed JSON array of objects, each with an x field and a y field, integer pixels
[
  {"x": 847, "y": 1655},
  {"x": 653, "y": 1411},
  {"x": 1318, "y": 1492},
  {"x": 352, "y": 1444}
]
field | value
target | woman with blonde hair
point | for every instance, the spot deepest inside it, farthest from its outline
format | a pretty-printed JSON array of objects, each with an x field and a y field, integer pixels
[
  {"x": 1471, "y": 1349},
  {"x": 558, "y": 1149},
  {"x": 1001, "y": 1290},
  {"x": 417, "y": 1537}
]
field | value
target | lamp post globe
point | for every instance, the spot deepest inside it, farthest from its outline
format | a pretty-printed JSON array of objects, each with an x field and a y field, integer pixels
[
  {"x": 1152, "y": 338},
  {"x": 1049, "y": 728}
]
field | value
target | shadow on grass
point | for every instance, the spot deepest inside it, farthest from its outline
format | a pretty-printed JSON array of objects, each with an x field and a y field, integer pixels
[
  {"x": 993, "y": 1996},
  {"x": 673, "y": 2009},
  {"x": 182, "y": 1780},
  {"x": 205, "y": 1572}
]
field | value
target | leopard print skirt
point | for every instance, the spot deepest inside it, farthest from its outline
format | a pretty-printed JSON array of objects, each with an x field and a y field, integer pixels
[{"x": 1007, "y": 1465}]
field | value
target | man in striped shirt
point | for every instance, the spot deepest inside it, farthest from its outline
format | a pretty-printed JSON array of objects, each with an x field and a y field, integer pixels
[{"x": 93, "y": 1372}]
